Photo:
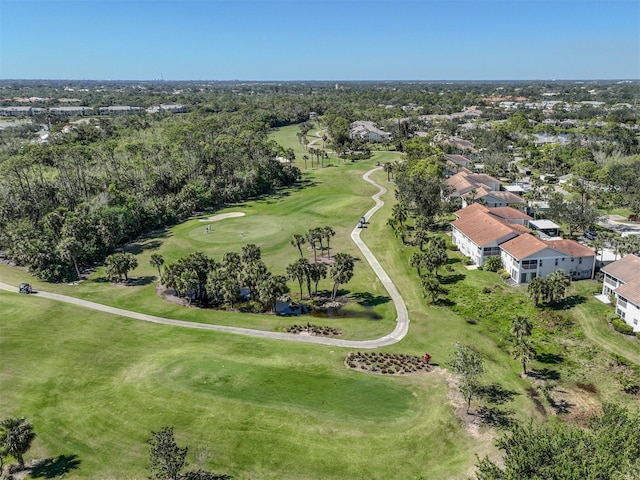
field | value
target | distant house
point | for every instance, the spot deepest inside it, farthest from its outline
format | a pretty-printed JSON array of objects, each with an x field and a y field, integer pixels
[
  {"x": 454, "y": 162},
  {"x": 461, "y": 144},
  {"x": 71, "y": 111},
  {"x": 622, "y": 278},
  {"x": 368, "y": 131},
  {"x": 472, "y": 187},
  {"x": 118, "y": 110},
  {"x": 16, "y": 111},
  {"x": 527, "y": 257}
]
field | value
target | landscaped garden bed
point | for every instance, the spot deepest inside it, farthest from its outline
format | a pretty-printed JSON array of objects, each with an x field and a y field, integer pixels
[
  {"x": 387, "y": 363},
  {"x": 318, "y": 330}
]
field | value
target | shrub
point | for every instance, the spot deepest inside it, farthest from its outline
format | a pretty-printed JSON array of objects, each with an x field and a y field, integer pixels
[
  {"x": 504, "y": 274},
  {"x": 622, "y": 327},
  {"x": 493, "y": 264}
]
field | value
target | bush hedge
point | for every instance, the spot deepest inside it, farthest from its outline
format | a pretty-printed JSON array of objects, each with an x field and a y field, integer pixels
[{"x": 621, "y": 326}]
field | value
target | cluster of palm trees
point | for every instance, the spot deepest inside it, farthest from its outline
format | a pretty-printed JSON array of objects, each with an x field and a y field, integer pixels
[
  {"x": 303, "y": 271},
  {"x": 316, "y": 238},
  {"x": 621, "y": 245},
  {"x": 202, "y": 279},
  {"x": 550, "y": 290}
]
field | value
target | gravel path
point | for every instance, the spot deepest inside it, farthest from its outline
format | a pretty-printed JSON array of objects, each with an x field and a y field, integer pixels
[{"x": 402, "y": 322}]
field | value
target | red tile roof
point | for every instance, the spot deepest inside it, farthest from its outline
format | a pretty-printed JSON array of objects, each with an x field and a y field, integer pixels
[
  {"x": 523, "y": 246},
  {"x": 483, "y": 229},
  {"x": 571, "y": 248},
  {"x": 626, "y": 269}
]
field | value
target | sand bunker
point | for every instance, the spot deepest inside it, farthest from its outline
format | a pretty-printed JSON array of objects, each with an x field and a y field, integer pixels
[{"x": 222, "y": 216}]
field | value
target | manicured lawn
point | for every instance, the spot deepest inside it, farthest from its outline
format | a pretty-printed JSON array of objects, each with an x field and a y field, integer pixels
[{"x": 95, "y": 386}]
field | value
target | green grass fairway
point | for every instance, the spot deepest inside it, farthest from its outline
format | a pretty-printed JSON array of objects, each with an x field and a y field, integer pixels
[{"x": 95, "y": 386}]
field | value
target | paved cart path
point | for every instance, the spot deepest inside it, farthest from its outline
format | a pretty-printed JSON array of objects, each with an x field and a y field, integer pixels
[{"x": 399, "y": 332}]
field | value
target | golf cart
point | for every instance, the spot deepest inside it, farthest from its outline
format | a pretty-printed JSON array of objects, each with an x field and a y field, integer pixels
[{"x": 25, "y": 288}]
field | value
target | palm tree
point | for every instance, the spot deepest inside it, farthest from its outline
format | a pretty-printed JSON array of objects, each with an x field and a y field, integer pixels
[
  {"x": 521, "y": 326},
  {"x": 317, "y": 272},
  {"x": 558, "y": 283},
  {"x": 313, "y": 238},
  {"x": 250, "y": 253},
  {"x": 328, "y": 232},
  {"x": 431, "y": 287},
  {"x": 523, "y": 351},
  {"x": 387, "y": 167},
  {"x": 271, "y": 289},
  {"x": 341, "y": 271},
  {"x": 400, "y": 212},
  {"x": 156, "y": 260},
  {"x": 297, "y": 241},
  {"x": 16, "y": 436},
  {"x": 537, "y": 290},
  {"x": 296, "y": 271}
]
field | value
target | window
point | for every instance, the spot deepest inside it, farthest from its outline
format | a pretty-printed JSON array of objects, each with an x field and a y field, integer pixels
[
  {"x": 621, "y": 313},
  {"x": 556, "y": 262},
  {"x": 529, "y": 264},
  {"x": 580, "y": 260},
  {"x": 572, "y": 259},
  {"x": 540, "y": 262}
]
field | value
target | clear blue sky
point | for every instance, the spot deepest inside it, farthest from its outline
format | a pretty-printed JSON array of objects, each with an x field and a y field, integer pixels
[{"x": 319, "y": 39}]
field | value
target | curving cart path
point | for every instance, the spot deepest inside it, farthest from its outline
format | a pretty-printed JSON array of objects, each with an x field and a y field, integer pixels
[{"x": 399, "y": 332}]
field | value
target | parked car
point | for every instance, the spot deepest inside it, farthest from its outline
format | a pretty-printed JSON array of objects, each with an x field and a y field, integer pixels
[
  {"x": 591, "y": 234},
  {"x": 25, "y": 288}
]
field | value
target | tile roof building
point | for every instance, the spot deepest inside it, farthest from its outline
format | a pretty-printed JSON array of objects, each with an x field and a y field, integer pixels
[
  {"x": 622, "y": 279},
  {"x": 480, "y": 232}
]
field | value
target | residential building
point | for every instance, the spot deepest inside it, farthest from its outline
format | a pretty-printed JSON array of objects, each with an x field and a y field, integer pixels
[
  {"x": 368, "y": 131},
  {"x": 622, "y": 279},
  {"x": 479, "y": 231},
  {"x": 527, "y": 257},
  {"x": 71, "y": 111},
  {"x": 479, "y": 186},
  {"x": 118, "y": 110}
]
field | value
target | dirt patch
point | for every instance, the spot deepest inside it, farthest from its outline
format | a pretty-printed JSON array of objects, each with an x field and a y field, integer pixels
[
  {"x": 472, "y": 423},
  {"x": 222, "y": 216},
  {"x": 169, "y": 295}
]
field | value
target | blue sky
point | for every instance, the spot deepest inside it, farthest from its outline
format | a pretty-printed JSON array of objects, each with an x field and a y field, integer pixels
[{"x": 319, "y": 39}]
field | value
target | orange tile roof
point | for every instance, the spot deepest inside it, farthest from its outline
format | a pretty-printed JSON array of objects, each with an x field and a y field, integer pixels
[
  {"x": 523, "y": 246},
  {"x": 626, "y": 269},
  {"x": 526, "y": 245},
  {"x": 483, "y": 229},
  {"x": 471, "y": 209},
  {"x": 630, "y": 291},
  {"x": 570, "y": 247},
  {"x": 507, "y": 197},
  {"x": 509, "y": 213}
]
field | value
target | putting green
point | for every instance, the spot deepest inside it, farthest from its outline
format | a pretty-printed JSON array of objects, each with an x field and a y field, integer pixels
[{"x": 258, "y": 229}]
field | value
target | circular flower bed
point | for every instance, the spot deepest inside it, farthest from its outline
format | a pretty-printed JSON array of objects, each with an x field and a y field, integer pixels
[
  {"x": 319, "y": 330},
  {"x": 386, "y": 363}
]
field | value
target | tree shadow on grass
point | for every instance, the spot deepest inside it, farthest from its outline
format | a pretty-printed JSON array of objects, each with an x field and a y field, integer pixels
[
  {"x": 495, "y": 417},
  {"x": 544, "y": 374},
  {"x": 549, "y": 358},
  {"x": 366, "y": 299},
  {"x": 445, "y": 302},
  {"x": 496, "y": 394},
  {"x": 140, "y": 281},
  {"x": 569, "y": 302},
  {"x": 140, "y": 246},
  {"x": 55, "y": 467},
  {"x": 450, "y": 279}
]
